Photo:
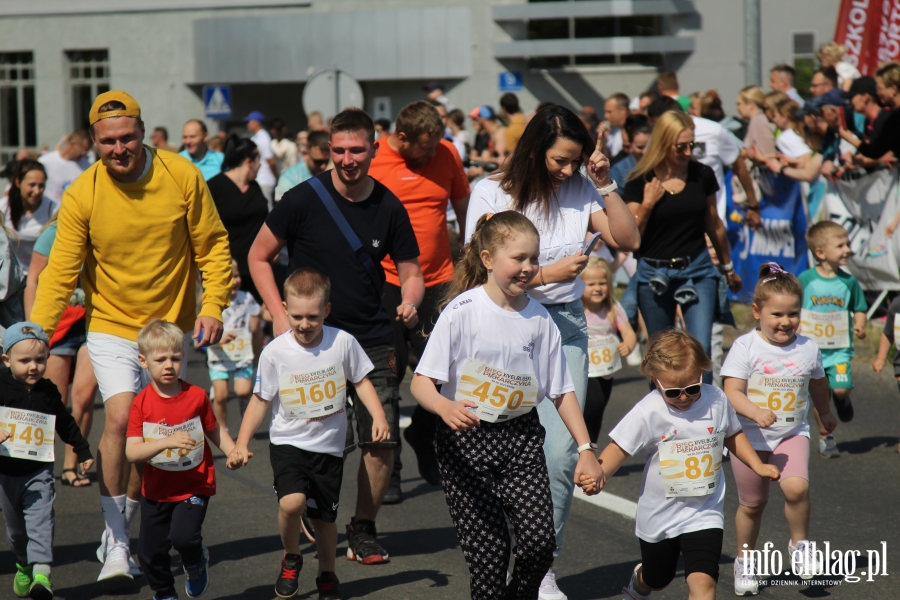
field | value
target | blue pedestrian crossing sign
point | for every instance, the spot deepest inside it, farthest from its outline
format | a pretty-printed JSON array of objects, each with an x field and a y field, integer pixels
[
  {"x": 510, "y": 81},
  {"x": 217, "y": 101}
]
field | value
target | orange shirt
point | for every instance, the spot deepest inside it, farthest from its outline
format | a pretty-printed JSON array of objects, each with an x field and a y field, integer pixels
[{"x": 425, "y": 193}]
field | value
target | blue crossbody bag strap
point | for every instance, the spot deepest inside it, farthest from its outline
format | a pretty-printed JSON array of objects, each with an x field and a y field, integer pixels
[{"x": 350, "y": 235}]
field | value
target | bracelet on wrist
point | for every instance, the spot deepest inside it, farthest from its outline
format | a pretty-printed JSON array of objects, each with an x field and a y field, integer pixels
[{"x": 755, "y": 207}]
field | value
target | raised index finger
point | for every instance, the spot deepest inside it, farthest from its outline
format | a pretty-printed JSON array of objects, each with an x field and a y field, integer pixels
[{"x": 599, "y": 147}]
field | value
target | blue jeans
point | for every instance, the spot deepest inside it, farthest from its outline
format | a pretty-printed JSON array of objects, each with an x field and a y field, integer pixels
[{"x": 559, "y": 446}]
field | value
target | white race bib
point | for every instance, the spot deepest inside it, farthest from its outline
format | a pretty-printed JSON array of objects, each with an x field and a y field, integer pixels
[
  {"x": 500, "y": 395},
  {"x": 830, "y": 330},
  {"x": 179, "y": 459},
  {"x": 897, "y": 331},
  {"x": 786, "y": 396},
  {"x": 691, "y": 467},
  {"x": 603, "y": 355},
  {"x": 313, "y": 394},
  {"x": 238, "y": 350},
  {"x": 31, "y": 434}
]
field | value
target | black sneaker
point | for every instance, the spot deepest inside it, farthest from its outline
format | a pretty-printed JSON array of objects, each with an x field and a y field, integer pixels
[
  {"x": 425, "y": 456},
  {"x": 289, "y": 579},
  {"x": 327, "y": 585},
  {"x": 393, "y": 495},
  {"x": 844, "y": 408},
  {"x": 361, "y": 544}
]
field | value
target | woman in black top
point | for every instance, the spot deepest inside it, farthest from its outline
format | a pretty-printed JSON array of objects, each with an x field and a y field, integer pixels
[
  {"x": 240, "y": 202},
  {"x": 673, "y": 199}
]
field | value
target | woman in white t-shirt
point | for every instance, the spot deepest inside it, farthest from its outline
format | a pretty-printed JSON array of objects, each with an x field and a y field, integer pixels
[
  {"x": 25, "y": 210},
  {"x": 769, "y": 376},
  {"x": 790, "y": 140},
  {"x": 498, "y": 355},
  {"x": 541, "y": 181},
  {"x": 683, "y": 425}
]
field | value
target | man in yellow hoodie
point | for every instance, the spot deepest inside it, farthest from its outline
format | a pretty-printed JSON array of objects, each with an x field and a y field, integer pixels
[{"x": 134, "y": 227}]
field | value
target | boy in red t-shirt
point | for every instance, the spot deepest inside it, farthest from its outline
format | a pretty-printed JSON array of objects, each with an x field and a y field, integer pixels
[{"x": 167, "y": 428}]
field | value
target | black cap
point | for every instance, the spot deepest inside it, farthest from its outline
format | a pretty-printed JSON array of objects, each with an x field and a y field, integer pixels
[{"x": 863, "y": 85}]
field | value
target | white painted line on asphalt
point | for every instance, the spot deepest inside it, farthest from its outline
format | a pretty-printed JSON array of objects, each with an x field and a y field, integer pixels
[
  {"x": 405, "y": 422},
  {"x": 616, "y": 504}
]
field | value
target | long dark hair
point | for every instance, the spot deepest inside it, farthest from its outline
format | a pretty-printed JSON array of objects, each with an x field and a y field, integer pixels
[
  {"x": 237, "y": 150},
  {"x": 525, "y": 177},
  {"x": 15, "y": 203}
]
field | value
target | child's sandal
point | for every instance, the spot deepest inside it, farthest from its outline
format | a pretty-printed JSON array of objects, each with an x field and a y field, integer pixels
[{"x": 78, "y": 481}]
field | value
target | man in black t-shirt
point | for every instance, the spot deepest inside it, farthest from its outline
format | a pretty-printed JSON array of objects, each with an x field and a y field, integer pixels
[{"x": 301, "y": 222}]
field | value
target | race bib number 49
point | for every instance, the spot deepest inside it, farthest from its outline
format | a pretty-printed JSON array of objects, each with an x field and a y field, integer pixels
[
  {"x": 500, "y": 395},
  {"x": 830, "y": 330},
  {"x": 238, "y": 350},
  {"x": 31, "y": 434},
  {"x": 784, "y": 396},
  {"x": 178, "y": 459},
  {"x": 603, "y": 352},
  {"x": 313, "y": 394},
  {"x": 691, "y": 467}
]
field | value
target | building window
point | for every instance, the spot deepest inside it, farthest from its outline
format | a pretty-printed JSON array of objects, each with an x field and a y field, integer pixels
[
  {"x": 804, "y": 61},
  {"x": 88, "y": 77},
  {"x": 18, "y": 122}
]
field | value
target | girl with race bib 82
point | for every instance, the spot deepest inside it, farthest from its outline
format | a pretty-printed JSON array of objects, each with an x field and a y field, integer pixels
[
  {"x": 497, "y": 354},
  {"x": 770, "y": 375}
]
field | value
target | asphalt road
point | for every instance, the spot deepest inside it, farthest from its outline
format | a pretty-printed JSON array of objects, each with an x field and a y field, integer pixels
[{"x": 855, "y": 507}]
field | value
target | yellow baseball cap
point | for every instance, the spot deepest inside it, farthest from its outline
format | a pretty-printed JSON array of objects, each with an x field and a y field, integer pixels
[{"x": 132, "y": 108}]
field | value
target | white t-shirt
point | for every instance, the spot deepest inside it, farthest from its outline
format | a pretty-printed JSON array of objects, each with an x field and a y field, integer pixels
[
  {"x": 263, "y": 142},
  {"x": 792, "y": 145},
  {"x": 846, "y": 71},
  {"x": 561, "y": 236},
  {"x": 285, "y": 355},
  {"x": 61, "y": 173},
  {"x": 236, "y": 318},
  {"x": 653, "y": 420},
  {"x": 717, "y": 149},
  {"x": 751, "y": 354},
  {"x": 473, "y": 326},
  {"x": 30, "y": 227},
  {"x": 614, "y": 141}
]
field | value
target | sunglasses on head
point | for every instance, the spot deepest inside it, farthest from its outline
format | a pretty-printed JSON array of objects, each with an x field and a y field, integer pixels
[
  {"x": 675, "y": 393},
  {"x": 680, "y": 148}
]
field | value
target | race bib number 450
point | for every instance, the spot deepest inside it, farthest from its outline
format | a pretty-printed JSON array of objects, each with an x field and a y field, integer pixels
[
  {"x": 313, "y": 394},
  {"x": 784, "y": 396},
  {"x": 830, "y": 330},
  {"x": 603, "y": 352},
  {"x": 500, "y": 395},
  {"x": 31, "y": 434},
  {"x": 691, "y": 467},
  {"x": 180, "y": 459}
]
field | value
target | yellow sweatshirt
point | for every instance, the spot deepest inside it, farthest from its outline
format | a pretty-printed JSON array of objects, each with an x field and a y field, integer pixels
[{"x": 140, "y": 245}]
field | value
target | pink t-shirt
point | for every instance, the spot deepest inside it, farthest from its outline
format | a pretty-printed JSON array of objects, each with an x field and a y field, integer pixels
[{"x": 599, "y": 323}]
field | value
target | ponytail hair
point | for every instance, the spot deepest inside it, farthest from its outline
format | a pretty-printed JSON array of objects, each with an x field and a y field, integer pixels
[
  {"x": 491, "y": 232},
  {"x": 773, "y": 279},
  {"x": 237, "y": 150},
  {"x": 15, "y": 203}
]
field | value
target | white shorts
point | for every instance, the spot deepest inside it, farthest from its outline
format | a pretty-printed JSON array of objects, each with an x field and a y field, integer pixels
[{"x": 116, "y": 364}]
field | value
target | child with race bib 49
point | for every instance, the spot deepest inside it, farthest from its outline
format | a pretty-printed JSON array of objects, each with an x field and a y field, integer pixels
[
  {"x": 606, "y": 320},
  {"x": 497, "y": 354},
  {"x": 168, "y": 427},
  {"x": 770, "y": 375},
  {"x": 31, "y": 411},
  {"x": 834, "y": 309},
  {"x": 683, "y": 425},
  {"x": 304, "y": 373}
]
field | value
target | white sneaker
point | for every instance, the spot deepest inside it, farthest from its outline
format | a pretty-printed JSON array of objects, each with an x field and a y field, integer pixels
[
  {"x": 101, "y": 551},
  {"x": 133, "y": 566},
  {"x": 549, "y": 590},
  {"x": 745, "y": 584},
  {"x": 828, "y": 447},
  {"x": 809, "y": 567},
  {"x": 116, "y": 564},
  {"x": 629, "y": 591}
]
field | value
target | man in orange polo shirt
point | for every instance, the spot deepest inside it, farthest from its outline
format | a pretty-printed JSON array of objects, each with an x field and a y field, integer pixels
[{"x": 424, "y": 171}]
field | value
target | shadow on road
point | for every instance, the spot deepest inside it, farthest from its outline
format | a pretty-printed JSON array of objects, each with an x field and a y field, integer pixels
[
  {"x": 603, "y": 582},
  {"x": 418, "y": 542},
  {"x": 866, "y": 445}
]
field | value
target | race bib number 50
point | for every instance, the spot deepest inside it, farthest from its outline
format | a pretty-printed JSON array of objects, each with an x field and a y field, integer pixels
[
  {"x": 179, "y": 459},
  {"x": 313, "y": 394},
  {"x": 31, "y": 434},
  {"x": 691, "y": 467},
  {"x": 784, "y": 396},
  {"x": 830, "y": 330},
  {"x": 500, "y": 395}
]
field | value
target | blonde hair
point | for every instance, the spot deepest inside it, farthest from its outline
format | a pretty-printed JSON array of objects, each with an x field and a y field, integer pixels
[
  {"x": 491, "y": 233},
  {"x": 773, "y": 279},
  {"x": 307, "y": 283},
  {"x": 818, "y": 235},
  {"x": 889, "y": 73},
  {"x": 754, "y": 94},
  {"x": 160, "y": 335},
  {"x": 665, "y": 134},
  {"x": 674, "y": 351},
  {"x": 772, "y": 99},
  {"x": 833, "y": 50},
  {"x": 609, "y": 302}
]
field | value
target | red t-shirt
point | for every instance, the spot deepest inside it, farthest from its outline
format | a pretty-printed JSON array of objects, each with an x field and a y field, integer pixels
[{"x": 149, "y": 407}]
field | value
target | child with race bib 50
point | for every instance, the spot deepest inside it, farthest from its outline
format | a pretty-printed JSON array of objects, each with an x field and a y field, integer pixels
[
  {"x": 770, "y": 375},
  {"x": 168, "y": 426},
  {"x": 31, "y": 410},
  {"x": 497, "y": 354}
]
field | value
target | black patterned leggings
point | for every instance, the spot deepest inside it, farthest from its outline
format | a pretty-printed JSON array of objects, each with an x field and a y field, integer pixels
[{"x": 491, "y": 472}]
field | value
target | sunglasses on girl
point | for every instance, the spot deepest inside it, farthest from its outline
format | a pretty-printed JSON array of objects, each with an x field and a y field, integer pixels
[
  {"x": 675, "y": 393},
  {"x": 680, "y": 148}
]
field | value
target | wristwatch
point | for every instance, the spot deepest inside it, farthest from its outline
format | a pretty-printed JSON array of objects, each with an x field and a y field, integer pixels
[
  {"x": 586, "y": 447},
  {"x": 727, "y": 269},
  {"x": 609, "y": 189}
]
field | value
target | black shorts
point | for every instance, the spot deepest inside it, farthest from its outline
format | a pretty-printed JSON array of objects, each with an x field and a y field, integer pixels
[
  {"x": 384, "y": 379},
  {"x": 317, "y": 476},
  {"x": 701, "y": 551}
]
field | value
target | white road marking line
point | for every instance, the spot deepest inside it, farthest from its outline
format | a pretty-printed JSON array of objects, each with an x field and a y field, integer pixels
[
  {"x": 616, "y": 504},
  {"x": 405, "y": 422}
]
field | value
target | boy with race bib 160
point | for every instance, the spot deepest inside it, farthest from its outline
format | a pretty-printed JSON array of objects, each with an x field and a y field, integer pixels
[
  {"x": 169, "y": 423},
  {"x": 834, "y": 309},
  {"x": 304, "y": 373}
]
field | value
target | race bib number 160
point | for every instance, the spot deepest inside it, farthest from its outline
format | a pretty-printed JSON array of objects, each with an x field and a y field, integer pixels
[{"x": 313, "y": 394}]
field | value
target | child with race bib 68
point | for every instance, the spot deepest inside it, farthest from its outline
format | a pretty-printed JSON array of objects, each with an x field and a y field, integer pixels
[
  {"x": 606, "y": 320},
  {"x": 834, "y": 309},
  {"x": 683, "y": 425},
  {"x": 31, "y": 411},
  {"x": 497, "y": 354},
  {"x": 168, "y": 426},
  {"x": 770, "y": 375}
]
